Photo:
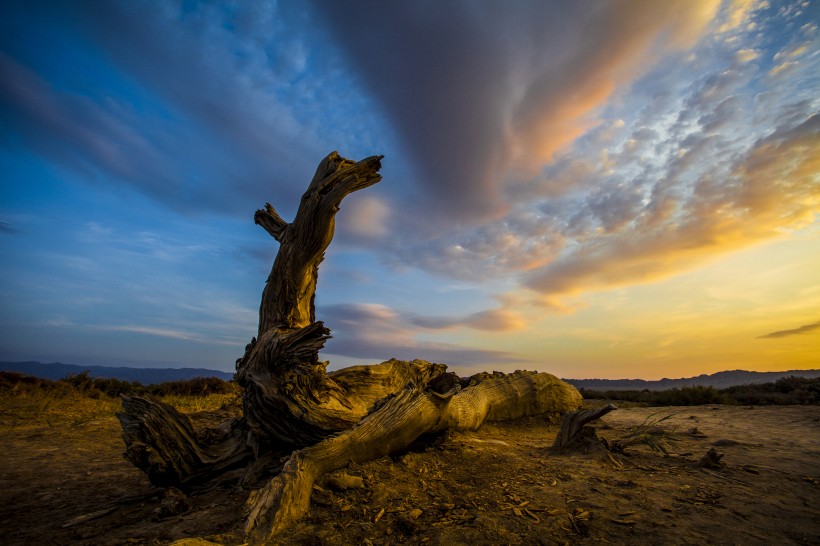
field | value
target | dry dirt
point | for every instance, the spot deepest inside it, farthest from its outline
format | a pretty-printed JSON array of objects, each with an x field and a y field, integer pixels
[{"x": 500, "y": 485}]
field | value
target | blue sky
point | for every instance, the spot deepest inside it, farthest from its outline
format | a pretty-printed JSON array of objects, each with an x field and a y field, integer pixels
[{"x": 610, "y": 189}]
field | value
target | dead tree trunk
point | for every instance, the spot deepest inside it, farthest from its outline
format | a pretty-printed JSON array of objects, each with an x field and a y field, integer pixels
[
  {"x": 291, "y": 402},
  {"x": 288, "y": 396}
]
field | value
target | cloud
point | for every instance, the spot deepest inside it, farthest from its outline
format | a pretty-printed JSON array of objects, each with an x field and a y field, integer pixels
[
  {"x": 365, "y": 217},
  {"x": 372, "y": 331},
  {"x": 161, "y": 332},
  {"x": 793, "y": 332},
  {"x": 493, "y": 320},
  {"x": 747, "y": 55},
  {"x": 771, "y": 189},
  {"x": 522, "y": 241},
  {"x": 699, "y": 157},
  {"x": 199, "y": 107},
  {"x": 109, "y": 141},
  {"x": 8, "y": 228},
  {"x": 621, "y": 44},
  {"x": 484, "y": 89},
  {"x": 783, "y": 68},
  {"x": 57, "y": 123},
  {"x": 738, "y": 12},
  {"x": 723, "y": 114},
  {"x": 792, "y": 51}
]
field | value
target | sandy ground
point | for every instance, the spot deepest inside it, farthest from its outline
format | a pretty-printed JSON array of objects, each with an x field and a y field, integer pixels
[{"x": 500, "y": 485}]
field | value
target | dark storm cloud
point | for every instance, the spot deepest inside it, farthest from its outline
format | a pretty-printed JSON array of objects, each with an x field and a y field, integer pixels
[{"x": 793, "y": 332}]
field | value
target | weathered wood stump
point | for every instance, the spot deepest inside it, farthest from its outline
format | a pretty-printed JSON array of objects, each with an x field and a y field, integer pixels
[
  {"x": 291, "y": 404},
  {"x": 573, "y": 423}
]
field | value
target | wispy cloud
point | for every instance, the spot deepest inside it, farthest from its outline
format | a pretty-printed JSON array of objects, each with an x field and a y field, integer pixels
[
  {"x": 198, "y": 107},
  {"x": 194, "y": 336},
  {"x": 547, "y": 149},
  {"x": 767, "y": 191},
  {"x": 8, "y": 228},
  {"x": 493, "y": 320},
  {"x": 372, "y": 331},
  {"x": 793, "y": 332},
  {"x": 674, "y": 173}
]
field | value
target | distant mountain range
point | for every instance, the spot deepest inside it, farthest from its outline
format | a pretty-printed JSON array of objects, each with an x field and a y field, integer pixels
[
  {"x": 719, "y": 380},
  {"x": 146, "y": 376}
]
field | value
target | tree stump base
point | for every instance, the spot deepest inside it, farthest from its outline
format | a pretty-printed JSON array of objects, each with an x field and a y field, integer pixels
[{"x": 573, "y": 430}]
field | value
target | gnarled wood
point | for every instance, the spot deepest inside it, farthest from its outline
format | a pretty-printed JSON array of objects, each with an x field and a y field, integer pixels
[
  {"x": 394, "y": 426},
  {"x": 287, "y": 301},
  {"x": 291, "y": 402},
  {"x": 162, "y": 443},
  {"x": 573, "y": 422},
  {"x": 288, "y": 394}
]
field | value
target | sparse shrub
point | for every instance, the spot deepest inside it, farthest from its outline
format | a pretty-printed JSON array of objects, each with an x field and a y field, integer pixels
[
  {"x": 689, "y": 396},
  {"x": 198, "y": 394},
  {"x": 28, "y": 400},
  {"x": 80, "y": 399},
  {"x": 11, "y": 382},
  {"x": 637, "y": 397},
  {"x": 116, "y": 387},
  {"x": 198, "y": 386},
  {"x": 786, "y": 391},
  {"x": 649, "y": 433}
]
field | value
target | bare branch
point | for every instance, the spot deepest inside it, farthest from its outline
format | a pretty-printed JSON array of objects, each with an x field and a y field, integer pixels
[{"x": 270, "y": 220}]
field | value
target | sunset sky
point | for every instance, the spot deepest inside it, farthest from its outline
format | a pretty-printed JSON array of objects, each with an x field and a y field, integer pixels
[{"x": 594, "y": 189}]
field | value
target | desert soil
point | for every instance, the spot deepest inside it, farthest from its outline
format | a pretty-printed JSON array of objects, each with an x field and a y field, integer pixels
[{"x": 500, "y": 485}]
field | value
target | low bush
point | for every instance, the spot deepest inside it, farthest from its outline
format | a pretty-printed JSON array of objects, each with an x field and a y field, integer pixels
[
  {"x": 198, "y": 386},
  {"x": 26, "y": 400},
  {"x": 786, "y": 391},
  {"x": 79, "y": 398}
]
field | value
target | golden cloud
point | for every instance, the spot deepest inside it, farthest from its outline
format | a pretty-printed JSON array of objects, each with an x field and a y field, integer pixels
[
  {"x": 624, "y": 39},
  {"x": 738, "y": 13},
  {"x": 775, "y": 188}
]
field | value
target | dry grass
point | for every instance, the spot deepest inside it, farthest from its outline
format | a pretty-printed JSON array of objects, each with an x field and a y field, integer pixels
[
  {"x": 62, "y": 458},
  {"x": 54, "y": 407},
  {"x": 199, "y": 404},
  {"x": 649, "y": 433},
  {"x": 58, "y": 404}
]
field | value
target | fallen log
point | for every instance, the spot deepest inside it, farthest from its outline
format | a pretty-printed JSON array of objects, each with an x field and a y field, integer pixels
[{"x": 394, "y": 426}]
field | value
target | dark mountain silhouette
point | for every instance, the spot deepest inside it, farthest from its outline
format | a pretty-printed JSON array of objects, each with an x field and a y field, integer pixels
[
  {"x": 719, "y": 380},
  {"x": 149, "y": 376},
  {"x": 146, "y": 376}
]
